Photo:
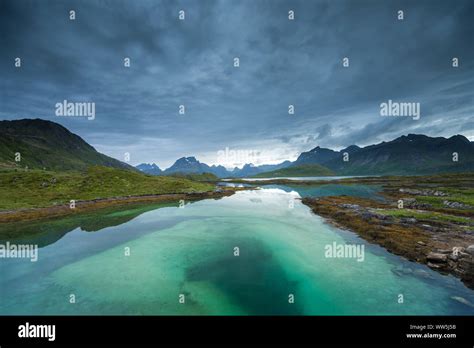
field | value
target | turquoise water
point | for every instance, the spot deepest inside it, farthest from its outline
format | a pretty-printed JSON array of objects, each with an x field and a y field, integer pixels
[
  {"x": 190, "y": 251},
  {"x": 364, "y": 191}
]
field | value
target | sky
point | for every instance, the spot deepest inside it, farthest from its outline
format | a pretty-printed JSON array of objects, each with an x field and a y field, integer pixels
[{"x": 235, "y": 115}]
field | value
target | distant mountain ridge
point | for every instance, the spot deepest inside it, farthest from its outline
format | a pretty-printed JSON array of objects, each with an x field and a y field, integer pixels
[
  {"x": 42, "y": 144},
  {"x": 149, "y": 168},
  {"x": 318, "y": 155},
  {"x": 190, "y": 165},
  {"x": 410, "y": 154}
]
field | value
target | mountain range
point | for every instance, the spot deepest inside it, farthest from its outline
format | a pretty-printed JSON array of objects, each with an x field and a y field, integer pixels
[
  {"x": 190, "y": 165},
  {"x": 410, "y": 154},
  {"x": 42, "y": 144}
]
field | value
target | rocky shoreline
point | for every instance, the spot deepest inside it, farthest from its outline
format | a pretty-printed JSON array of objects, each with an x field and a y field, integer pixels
[
  {"x": 443, "y": 242},
  {"x": 90, "y": 205}
]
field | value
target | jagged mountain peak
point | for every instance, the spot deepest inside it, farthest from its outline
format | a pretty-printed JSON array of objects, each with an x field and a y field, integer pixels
[
  {"x": 411, "y": 153},
  {"x": 149, "y": 168},
  {"x": 351, "y": 149}
]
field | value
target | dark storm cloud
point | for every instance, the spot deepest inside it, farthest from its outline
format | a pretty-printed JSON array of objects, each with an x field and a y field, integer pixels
[{"x": 282, "y": 62}]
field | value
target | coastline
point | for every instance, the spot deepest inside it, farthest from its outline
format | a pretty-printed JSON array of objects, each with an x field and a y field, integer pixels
[
  {"x": 444, "y": 246},
  {"x": 62, "y": 210},
  {"x": 438, "y": 233}
]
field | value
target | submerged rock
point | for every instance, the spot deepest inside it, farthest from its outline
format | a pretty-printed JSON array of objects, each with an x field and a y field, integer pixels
[
  {"x": 462, "y": 300},
  {"x": 397, "y": 271},
  {"x": 402, "y": 271},
  {"x": 422, "y": 274}
]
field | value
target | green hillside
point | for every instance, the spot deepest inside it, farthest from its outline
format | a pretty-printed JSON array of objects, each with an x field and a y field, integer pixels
[
  {"x": 44, "y": 144},
  {"x": 37, "y": 188},
  {"x": 297, "y": 171},
  {"x": 196, "y": 177},
  {"x": 410, "y": 154}
]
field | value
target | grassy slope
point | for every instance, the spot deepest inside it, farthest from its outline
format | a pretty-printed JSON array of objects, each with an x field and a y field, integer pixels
[
  {"x": 425, "y": 215},
  {"x": 43, "y": 144},
  {"x": 297, "y": 171},
  {"x": 197, "y": 177},
  {"x": 35, "y": 188},
  {"x": 36, "y": 155},
  {"x": 465, "y": 196}
]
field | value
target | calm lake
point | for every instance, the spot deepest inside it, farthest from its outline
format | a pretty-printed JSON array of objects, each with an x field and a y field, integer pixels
[
  {"x": 306, "y": 178},
  {"x": 190, "y": 251}
]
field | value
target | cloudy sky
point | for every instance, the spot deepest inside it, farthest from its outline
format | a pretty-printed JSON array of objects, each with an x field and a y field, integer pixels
[{"x": 282, "y": 62}]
